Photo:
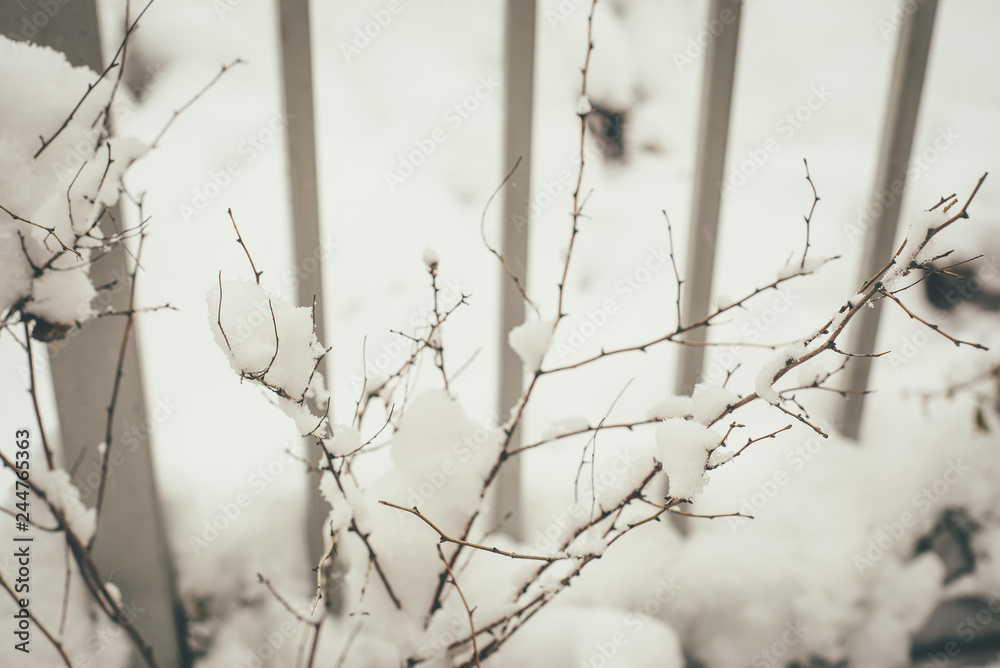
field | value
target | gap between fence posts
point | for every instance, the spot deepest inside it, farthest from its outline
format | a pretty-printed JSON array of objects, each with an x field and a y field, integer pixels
[{"x": 909, "y": 69}]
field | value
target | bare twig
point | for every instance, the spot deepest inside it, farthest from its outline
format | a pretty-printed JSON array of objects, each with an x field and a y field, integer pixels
[
  {"x": 282, "y": 600},
  {"x": 592, "y": 443},
  {"x": 219, "y": 315},
  {"x": 458, "y": 541},
  {"x": 38, "y": 624},
  {"x": 436, "y": 344},
  {"x": 355, "y": 529},
  {"x": 468, "y": 610},
  {"x": 34, "y": 400},
  {"x": 109, "y": 425},
  {"x": 90, "y": 87},
  {"x": 204, "y": 90},
  {"x": 347, "y": 643},
  {"x": 577, "y": 207},
  {"x": 750, "y": 441},
  {"x": 808, "y": 218},
  {"x": 673, "y": 263},
  {"x": 503, "y": 263},
  {"x": 936, "y": 328},
  {"x": 51, "y": 231},
  {"x": 239, "y": 240},
  {"x": 319, "y": 569}
]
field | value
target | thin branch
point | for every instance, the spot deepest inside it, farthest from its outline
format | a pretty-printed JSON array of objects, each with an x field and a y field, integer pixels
[
  {"x": 468, "y": 610},
  {"x": 355, "y": 529},
  {"x": 204, "y": 90},
  {"x": 90, "y": 87},
  {"x": 709, "y": 517},
  {"x": 803, "y": 419},
  {"x": 66, "y": 584},
  {"x": 808, "y": 218},
  {"x": 503, "y": 263},
  {"x": 576, "y": 432},
  {"x": 465, "y": 365},
  {"x": 364, "y": 381},
  {"x": 34, "y": 400},
  {"x": 51, "y": 231},
  {"x": 750, "y": 441},
  {"x": 936, "y": 328},
  {"x": 445, "y": 538},
  {"x": 219, "y": 316},
  {"x": 577, "y": 208},
  {"x": 347, "y": 643},
  {"x": 439, "y": 346},
  {"x": 592, "y": 443},
  {"x": 239, "y": 240},
  {"x": 282, "y": 600},
  {"x": 832, "y": 345},
  {"x": 41, "y": 627},
  {"x": 319, "y": 568},
  {"x": 673, "y": 263},
  {"x": 119, "y": 369}
]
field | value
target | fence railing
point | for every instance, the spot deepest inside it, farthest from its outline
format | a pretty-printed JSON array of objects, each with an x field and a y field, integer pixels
[{"x": 132, "y": 540}]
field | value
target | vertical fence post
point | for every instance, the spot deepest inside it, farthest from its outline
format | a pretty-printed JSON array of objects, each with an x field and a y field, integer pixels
[
  {"x": 908, "y": 72},
  {"x": 710, "y": 162},
  {"x": 297, "y": 93},
  {"x": 131, "y": 546},
  {"x": 519, "y": 82}
]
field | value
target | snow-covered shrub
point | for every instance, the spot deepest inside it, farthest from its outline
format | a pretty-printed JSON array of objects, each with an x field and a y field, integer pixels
[
  {"x": 428, "y": 573},
  {"x": 831, "y": 571}
]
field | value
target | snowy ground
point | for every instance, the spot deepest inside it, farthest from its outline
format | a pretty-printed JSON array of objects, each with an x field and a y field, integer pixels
[{"x": 728, "y": 590}]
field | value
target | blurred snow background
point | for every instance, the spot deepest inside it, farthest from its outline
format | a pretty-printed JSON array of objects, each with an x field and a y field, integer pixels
[{"x": 736, "y": 587}]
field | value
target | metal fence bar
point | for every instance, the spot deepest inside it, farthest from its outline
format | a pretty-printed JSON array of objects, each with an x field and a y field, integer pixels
[
  {"x": 519, "y": 82},
  {"x": 908, "y": 72},
  {"x": 710, "y": 161},
  {"x": 297, "y": 92},
  {"x": 131, "y": 546}
]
